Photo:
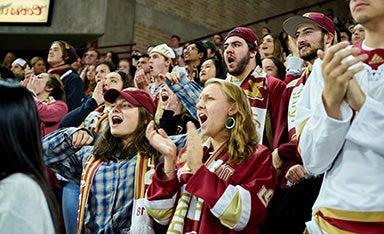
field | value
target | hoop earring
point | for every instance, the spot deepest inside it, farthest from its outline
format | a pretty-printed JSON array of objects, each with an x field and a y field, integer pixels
[{"x": 230, "y": 123}]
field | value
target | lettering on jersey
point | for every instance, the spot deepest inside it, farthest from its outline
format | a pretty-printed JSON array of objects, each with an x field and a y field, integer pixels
[
  {"x": 376, "y": 59},
  {"x": 265, "y": 195},
  {"x": 253, "y": 91},
  {"x": 224, "y": 172},
  {"x": 292, "y": 106}
]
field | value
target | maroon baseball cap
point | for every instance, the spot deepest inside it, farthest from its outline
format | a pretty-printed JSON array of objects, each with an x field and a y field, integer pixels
[
  {"x": 136, "y": 97},
  {"x": 291, "y": 24},
  {"x": 246, "y": 33}
]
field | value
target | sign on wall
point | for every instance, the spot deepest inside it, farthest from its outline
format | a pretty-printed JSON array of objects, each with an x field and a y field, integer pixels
[{"x": 36, "y": 12}]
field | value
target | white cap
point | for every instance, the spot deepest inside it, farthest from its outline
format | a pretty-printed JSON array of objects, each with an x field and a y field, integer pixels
[
  {"x": 19, "y": 61},
  {"x": 164, "y": 50}
]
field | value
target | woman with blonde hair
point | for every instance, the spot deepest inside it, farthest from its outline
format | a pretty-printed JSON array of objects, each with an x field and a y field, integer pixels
[{"x": 221, "y": 186}]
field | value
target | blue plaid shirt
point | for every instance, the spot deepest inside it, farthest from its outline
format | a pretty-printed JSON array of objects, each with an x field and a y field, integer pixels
[
  {"x": 111, "y": 196},
  {"x": 186, "y": 90}
]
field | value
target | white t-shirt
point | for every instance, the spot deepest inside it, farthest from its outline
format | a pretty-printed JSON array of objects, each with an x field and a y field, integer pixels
[{"x": 23, "y": 206}]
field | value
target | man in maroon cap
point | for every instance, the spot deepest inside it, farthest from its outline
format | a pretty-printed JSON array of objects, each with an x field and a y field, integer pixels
[
  {"x": 297, "y": 191},
  {"x": 264, "y": 92}
]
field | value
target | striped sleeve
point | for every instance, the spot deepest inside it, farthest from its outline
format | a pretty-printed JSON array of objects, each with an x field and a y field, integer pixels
[
  {"x": 238, "y": 207},
  {"x": 161, "y": 196}
]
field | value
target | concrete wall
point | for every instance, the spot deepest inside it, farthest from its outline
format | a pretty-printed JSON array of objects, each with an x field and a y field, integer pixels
[{"x": 147, "y": 22}]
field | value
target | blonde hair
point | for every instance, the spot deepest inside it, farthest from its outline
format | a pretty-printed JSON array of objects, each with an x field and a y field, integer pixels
[{"x": 243, "y": 137}]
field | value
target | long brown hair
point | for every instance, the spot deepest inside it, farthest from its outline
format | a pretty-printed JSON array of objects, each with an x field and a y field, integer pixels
[
  {"x": 107, "y": 145},
  {"x": 243, "y": 137}
]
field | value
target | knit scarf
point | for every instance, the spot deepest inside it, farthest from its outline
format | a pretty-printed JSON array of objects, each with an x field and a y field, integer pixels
[{"x": 186, "y": 218}]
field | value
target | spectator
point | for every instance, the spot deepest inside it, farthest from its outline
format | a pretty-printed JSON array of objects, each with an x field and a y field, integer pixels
[
  {"x": 38, "y": 65},
  {"x": 91, "y": 56},
  {"x": 174, "y": 43},
  {"x": 237, "y": 172},
  {"x": 274, "y": 67},
  {"x": 18, "y": 68},
  {"x": 116, "y": 154},
  {"x": 124, "y": 66},
  {"x": 8, "y": 59},
  {"x": 240, "y": 49},
  {"x": 211, "y": 68},
  {"x": 358, "y": 33},
  {"x": 60, "y": 57},
  {"x": 271, "y": 46},
  {"x": 194, "y": 54},
  {"x": 112, "y": 57},
  {"x": 345, "y": 35},
  {"x": 27, "y": 202},
  {"x": 341, "y": 110},
  {"x": 297, "y": 190},
  {"x": 49, "y": 99}
]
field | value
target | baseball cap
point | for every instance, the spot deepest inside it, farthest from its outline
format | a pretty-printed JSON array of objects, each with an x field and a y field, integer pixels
[
  {"x": 246, "y": 33},
  {"x": 291, "y": 24},
  {"x": 136, "y": 97}
]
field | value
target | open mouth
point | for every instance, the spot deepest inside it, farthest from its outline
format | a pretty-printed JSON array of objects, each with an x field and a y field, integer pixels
[
  {"x": 231, "y": 59},
  {"x": 116, "y": 120},
  {"x": 264, "y": 47},
  {"x": 164, "y": 97},
  {"x": 202, "y": 118}
]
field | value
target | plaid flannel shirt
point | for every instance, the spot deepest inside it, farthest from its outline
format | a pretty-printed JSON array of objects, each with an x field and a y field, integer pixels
[
  {"x": 111, "y": 196},
  {"x": 186, "y": 90}
]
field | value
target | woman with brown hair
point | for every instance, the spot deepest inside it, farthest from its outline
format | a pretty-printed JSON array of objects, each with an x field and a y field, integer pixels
[
  {"x": 49, "y": 98},
  {"x": 271, "y": 46},
  {"x": 221, "y": 186},
  {"x": 115, "y": 171}
]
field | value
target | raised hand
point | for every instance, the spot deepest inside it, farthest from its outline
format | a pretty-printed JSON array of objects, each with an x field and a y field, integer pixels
[
  {"x": 160, "y": 141},
  {"x": 98, "y": 93},
  {"x": 81, "y": 138},
  {"x": 141, "y": 80},
  {"x": 173, "y": 77},
  {"x": 337, "y": 73},
  {"x": 194, "y": 148}
]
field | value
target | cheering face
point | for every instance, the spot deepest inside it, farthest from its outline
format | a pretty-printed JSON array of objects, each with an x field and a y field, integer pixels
[
  {"x": 309, "y": 40},
  {"x": 236, "y": 55},
  {"x": 208, "y": 71},
  {"x": 157, "y": 64},
  {"x": 123, "y": 119},
  {"x": 212, "y": 111},
  {"x": 267, "y": 46}
]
